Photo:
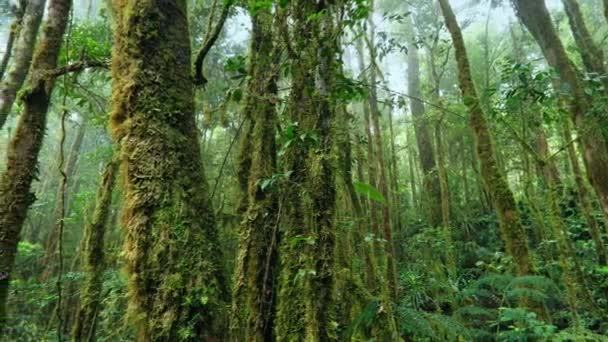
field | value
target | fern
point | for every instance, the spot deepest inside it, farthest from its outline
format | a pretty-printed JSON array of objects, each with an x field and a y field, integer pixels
[
  {"x": 471, "y": 312},
  {"x": 414, "y": 323},
  {"x": 521, "y": 293}
]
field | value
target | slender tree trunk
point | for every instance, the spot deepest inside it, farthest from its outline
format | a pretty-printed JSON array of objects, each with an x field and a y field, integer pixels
[
  {"x": 592, "y": 55},
  {"x": 445, "y": 197},
  {"x": 585, "y": 203},
  {"x": 13, "y": 34},
  {"x": 94, "y": 258},
  {"x": 411, "y": 162},
  {"x": 50, "y": 243},
  {"x": 387, "y": 230},
  {"x": 22, "y": 57},
  {"x": 254, "y": 294},
  {"x": 372, "y": 177},
  {"x": 394, "y": 188},
  {"x": 512, "y": 230},
  {"x": 177, "y": 290},
  {"x": 22, "y": 154},
  {"x": 535, "y": 16},
  {"x": 432, "y": 194}
]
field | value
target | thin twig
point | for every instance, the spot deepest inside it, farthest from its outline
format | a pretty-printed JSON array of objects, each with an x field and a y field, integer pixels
[{"x": 219, "y": 175}]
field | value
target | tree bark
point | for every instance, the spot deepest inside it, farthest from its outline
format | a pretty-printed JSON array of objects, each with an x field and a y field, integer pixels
[
  {"x": 94, "y": 258},
  {"x": 582, "y": 193},
  {"x": 22, "y": 57},
  {"x": 512, "y": 230},
  {"x": 387, "y": 230},
  {"x": 432, "y": 194},
  {"x": 592, "y": 55},
  {"x": 304, "y": 303},
  {"x": 535, "y": 16},
  {"x": 176, "y": 287},
  {"x": 13, "y": 34},
  {"x": 254, "y": 294},
  {"x": 22, "y": 154}
]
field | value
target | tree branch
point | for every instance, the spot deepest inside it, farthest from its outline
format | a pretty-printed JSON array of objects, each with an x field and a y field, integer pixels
[
  {"x": 199, "y": 78},
  {"x": 77, "y": 67}
]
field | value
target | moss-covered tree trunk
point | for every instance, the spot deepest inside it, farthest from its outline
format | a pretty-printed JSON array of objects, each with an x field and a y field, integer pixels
[
  {"x": 430, "y": 181},
  {"x": 512, "y": 230},
  {"x": 254, "y": 294},
  {"x": 22, "y": 153},
  {"x": 304, "y": 304},
  {"x": 176, "y": 287},
  {"x": 94, "y": 258},
  {"x": 22, "y": 57},
  {"x": 535, "y": 16}
]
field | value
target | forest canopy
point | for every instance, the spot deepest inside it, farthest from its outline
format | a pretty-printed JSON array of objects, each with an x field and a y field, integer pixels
[{"x": 303, "y": 170}]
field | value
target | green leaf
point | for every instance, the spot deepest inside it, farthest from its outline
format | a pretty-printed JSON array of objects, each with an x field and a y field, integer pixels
[
  {"x": 369, "y": 191},
  {"x": 603, "y": 269}
]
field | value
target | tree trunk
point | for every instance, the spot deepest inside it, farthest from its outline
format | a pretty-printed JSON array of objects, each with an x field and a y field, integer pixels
[
  {"x": 94, "y": 258},
  {"x": 445, "y": 198},
  {"x": 13, "y": 34},
  {"x": 52, "y": 238},
  {"x": 585, "y": 203},
  {"x": 535, "y": 16},
  {"x": 387, "y": 230},
  {"x": 22, "y": 57},
  {"x": 512, "y": 230},
  {"x": 592, "y": 55},
  {"x": 23, "y": 150},
  {"x": 372, "y": 177},
  {"x": 412, "y": 166},
  {"x": 176, "y": 286},
  {"x": 432, "y": 194},
  {"x": 304, "y": 303},
  {"x": 254, "y": 294}
]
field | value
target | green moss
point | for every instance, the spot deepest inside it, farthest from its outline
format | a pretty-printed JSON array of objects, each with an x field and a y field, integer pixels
[{"x": 176, "y": 288}]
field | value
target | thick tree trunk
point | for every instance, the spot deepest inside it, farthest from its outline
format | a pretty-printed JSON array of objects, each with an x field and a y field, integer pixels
[
  {"x": 254, "y": 292},
  {"x": 432, "y": 194},
  {"x": 94, "y": 258},
  {"x": 304, "y": 303},
  {"x": 22, "y": 57},
  {"x": 176, "y": 286},
  {"x": 535, "y": 16},
  {"x": 512, "y": 230},
  {"x": 22, "y": 154}
]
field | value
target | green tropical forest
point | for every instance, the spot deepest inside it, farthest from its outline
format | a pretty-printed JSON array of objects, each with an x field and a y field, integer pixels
[{"x": 304, "y": 170}]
